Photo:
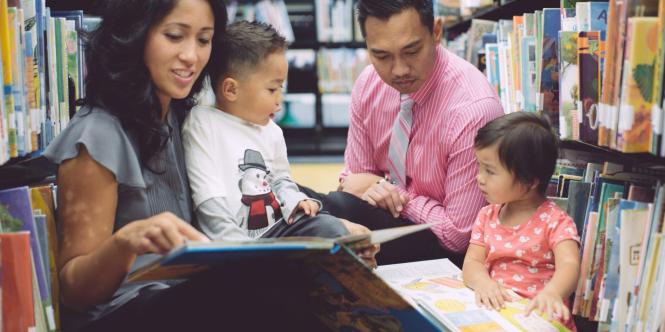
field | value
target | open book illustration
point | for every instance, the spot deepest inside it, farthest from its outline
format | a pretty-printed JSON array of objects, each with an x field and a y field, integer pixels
[{"x": 444, "y": 295}]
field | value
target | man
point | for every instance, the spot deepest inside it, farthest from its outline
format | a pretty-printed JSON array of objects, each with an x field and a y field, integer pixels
[{"x": 414, "y": 115}]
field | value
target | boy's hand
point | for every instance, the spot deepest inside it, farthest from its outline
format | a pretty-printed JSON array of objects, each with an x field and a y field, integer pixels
[
  {"x": 551, "y": 304},
  {"x": 310, "y": 207},
  {"x": 492, "y": 295}
]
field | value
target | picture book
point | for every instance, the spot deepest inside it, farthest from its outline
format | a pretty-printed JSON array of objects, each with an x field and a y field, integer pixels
[{"x": 442, "y": 293}]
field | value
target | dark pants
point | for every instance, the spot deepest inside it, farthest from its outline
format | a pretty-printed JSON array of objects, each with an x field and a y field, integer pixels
[
  {"x": 321, "y": 225},
  {"x": 419, "y": 246},
  {"x": 220, "y": 301}
]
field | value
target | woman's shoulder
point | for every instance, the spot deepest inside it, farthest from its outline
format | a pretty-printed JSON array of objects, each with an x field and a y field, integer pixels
[{"x": 105, "y": 139}]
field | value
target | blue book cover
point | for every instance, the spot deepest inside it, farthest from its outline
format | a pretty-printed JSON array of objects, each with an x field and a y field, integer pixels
[
  {"x": 549, "y": 77},
  {"x": 598, "y": 16}
]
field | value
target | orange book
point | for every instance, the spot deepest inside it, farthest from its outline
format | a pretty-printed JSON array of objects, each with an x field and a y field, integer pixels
[{"x": 18, "y": 310}]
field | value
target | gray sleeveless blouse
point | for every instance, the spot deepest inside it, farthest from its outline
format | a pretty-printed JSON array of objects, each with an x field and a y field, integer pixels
[{"x": 141, "y": 193}]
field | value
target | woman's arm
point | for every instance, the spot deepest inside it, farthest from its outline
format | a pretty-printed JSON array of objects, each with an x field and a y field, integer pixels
[{"x": 93, "y": 261}]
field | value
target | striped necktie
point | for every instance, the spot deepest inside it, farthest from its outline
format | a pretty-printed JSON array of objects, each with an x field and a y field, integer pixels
[{"x": 399, "y": 141}]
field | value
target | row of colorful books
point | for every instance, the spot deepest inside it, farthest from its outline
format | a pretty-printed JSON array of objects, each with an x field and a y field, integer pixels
[
  {"x": 619, "y": 215},
  {"x": 42, "y": 73},
  {"x": 595, "y": 68},
  {"x": 28, "y": 251},
  {"x": 338, "y": 68}
]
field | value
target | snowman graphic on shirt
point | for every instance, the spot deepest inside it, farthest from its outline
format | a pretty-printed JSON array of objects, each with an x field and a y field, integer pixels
[{"x": 260, "y": 207}]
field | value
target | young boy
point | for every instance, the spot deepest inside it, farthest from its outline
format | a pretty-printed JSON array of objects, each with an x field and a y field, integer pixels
[{"x": 236, "y": 155}]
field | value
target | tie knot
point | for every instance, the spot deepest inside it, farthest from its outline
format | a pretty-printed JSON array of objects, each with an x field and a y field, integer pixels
[{"x": 406, "y": 103}]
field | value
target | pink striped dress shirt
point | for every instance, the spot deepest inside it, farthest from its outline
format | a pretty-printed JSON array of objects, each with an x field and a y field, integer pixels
[{"x": 450, "y": 107}]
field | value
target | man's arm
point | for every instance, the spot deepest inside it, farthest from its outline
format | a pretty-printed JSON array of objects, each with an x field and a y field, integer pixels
[
  {"x": 463, "y": 199},
  {"x": 359, "y": 152}
]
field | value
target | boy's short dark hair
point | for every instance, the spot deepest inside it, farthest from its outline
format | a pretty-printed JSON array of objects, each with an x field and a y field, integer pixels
[
  {"x": 527, "y": 146},
  {"x": 384, "y": 9},
  {"x": 244, "y": 46}
]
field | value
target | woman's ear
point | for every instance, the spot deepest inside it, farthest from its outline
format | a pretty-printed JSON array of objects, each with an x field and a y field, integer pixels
[{"x": 229, "y": 89}]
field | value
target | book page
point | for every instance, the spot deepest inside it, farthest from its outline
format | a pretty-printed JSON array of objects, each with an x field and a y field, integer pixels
[
  {"x": 451, "y": 302},
  {"x": 412, "y": 270}
]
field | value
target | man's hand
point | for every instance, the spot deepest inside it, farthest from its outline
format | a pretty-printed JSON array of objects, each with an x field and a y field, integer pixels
[
  {"x": 310, "y": 207},
  {"x": 386, "y": 196},
  {"x": 367, "y": 254},
  {"x": 357, "y": 184}
]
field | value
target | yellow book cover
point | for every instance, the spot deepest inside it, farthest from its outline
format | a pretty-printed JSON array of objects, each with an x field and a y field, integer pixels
[
  {"x": 42, "y": 199},
  {"x": 7, "y": 78},
  {"x": 634, "y": 134}
]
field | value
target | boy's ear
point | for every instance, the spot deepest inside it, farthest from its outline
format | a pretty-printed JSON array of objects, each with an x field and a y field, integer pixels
[{"x": 229, "y": 89}]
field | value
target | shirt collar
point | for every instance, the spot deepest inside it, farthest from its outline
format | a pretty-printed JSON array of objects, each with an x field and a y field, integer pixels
[{"x": 440, "y": 61}]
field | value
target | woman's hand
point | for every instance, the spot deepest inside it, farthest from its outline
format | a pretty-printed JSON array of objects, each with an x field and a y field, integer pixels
[
  {"x": 492, "y": 295},
  {"x": 367, "y": 254},
  {"x": 550, "y": 304},
  {"x": 157, "y": 234}
]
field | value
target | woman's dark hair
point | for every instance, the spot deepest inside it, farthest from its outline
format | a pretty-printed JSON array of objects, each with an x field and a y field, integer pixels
[
  {"x": 527, "y": 146},
  {"x": 384, "y": 9},
  {"x": 118, "y": 79}
]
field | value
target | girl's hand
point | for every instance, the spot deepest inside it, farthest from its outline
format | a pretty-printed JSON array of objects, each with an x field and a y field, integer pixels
[
  {"x": 551, "y": 304},
  {"x": 492, "y": 295},
  {"x": 310, "y": 207},
  {"x": 157, "y": 234}
]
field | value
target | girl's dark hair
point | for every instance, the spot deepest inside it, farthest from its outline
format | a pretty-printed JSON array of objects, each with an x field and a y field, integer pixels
[
  {"x": 527, "y": 146},
  {"x": 384, "y": 9},
  {"x": 118, "y": 80}
]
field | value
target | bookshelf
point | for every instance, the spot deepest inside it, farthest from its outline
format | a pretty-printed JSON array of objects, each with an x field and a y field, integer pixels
[{"x": 496, "y": 12}]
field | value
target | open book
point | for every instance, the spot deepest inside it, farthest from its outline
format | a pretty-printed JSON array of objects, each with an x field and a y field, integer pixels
[
  {"x": 195, "y": 257},
  {"x": 436, "y": 287}
]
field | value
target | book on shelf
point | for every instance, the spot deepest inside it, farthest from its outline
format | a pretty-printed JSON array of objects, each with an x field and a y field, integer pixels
[
  {"x": 619, "y": 213},
  {"x": 597, "y": 75},
  {"x": 42, "y": 58}
]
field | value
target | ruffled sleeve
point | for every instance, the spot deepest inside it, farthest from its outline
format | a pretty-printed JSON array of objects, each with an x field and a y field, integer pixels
[{"x": 106, "y": 141}]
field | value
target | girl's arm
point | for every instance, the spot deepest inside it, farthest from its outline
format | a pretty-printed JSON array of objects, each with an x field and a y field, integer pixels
[
  {"x": 562, "y": 284},
  {"x": 488, "y": 292},
  {"x": 92, "y": 260}
]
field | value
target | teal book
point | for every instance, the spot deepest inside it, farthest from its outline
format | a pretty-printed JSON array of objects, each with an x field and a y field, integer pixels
[{"x": 343, "y": 292}]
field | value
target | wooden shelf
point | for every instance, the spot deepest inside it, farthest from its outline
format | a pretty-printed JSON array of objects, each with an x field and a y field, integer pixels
[
  {"x": 495, "y": 13},
  {"x": 313, "y": 44},
  {"x": 642, "y": 160}
]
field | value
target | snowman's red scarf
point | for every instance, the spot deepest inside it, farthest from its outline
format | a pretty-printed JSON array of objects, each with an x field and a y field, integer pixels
[{"x": 258, "y": 217}]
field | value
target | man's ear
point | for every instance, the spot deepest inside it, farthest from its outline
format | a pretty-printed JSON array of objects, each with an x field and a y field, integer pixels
[
  {"x": 229, "y": 89},
  {"x": 438, "y": 29}
]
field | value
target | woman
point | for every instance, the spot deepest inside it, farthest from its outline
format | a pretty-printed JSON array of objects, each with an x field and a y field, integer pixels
[{"x": 123, "y": 192}]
